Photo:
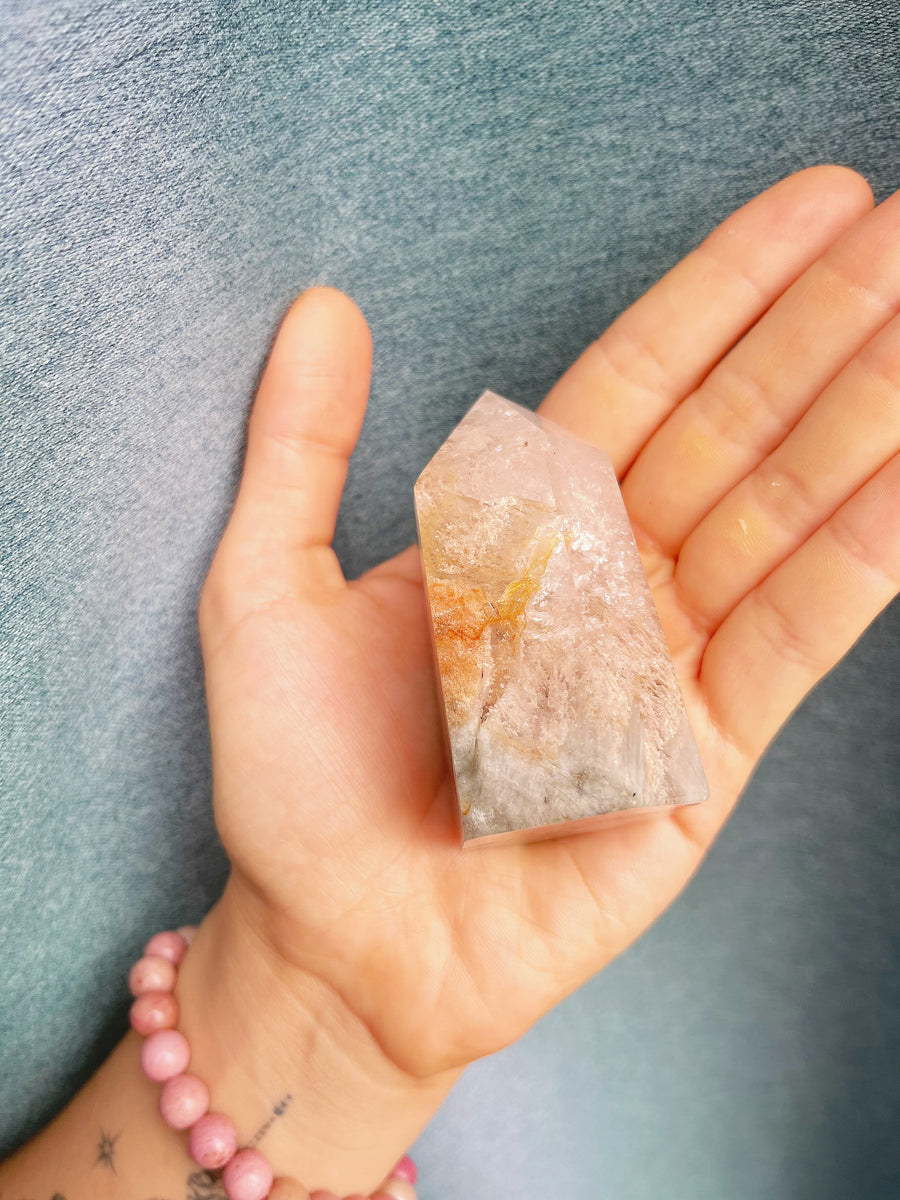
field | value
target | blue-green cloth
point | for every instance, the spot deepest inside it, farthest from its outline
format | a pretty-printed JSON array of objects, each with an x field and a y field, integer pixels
[{"x": 493, "y": 183}]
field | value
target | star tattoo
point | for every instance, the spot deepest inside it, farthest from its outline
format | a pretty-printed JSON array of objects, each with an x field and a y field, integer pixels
[{"x": 105, "y": 1150}]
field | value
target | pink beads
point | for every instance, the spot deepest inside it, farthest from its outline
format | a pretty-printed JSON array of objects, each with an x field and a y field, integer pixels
[
  {"x": 213, "y": 1140},
  {"x": 164, "y": 1054},
  {"x": 395, "y": 1188},
  {"x": 168, "y": 945},
  {"x": 247, "y": 1176},
  {"x": 151, "y": 974},
  {"x": 406, "y": 1169},
  {"x": 152, "y": 1011},
  {"x": 183, "y": 1100}
]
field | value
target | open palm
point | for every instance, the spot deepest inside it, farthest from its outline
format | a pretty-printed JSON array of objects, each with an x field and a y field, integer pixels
[{"x": 750, "y": 402}]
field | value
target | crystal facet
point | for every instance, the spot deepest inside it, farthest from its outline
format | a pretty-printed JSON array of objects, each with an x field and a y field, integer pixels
[{"x": 560, "y": 699}]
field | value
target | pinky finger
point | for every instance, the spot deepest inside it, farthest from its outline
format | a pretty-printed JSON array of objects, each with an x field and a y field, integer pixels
[{"x": 784, "y": 636}]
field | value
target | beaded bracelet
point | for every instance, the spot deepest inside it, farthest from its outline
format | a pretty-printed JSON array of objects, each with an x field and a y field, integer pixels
[{"x": 184, "y": 1100}]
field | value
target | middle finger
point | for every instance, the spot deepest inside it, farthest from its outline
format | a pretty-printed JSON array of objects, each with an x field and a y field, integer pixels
[{"x": 753, "y": 398}]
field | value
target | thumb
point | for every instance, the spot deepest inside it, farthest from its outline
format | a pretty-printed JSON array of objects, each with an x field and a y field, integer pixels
[{"x": 303, "y": 427}]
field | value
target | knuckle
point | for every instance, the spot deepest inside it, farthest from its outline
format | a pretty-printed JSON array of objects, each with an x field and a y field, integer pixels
[
  {"x": 634, "y": 360},
  {"x": 735, "y": 404},
  {"x": 788, "y": 637},
  {"x": 784, "y": 496},
  {"x": 862, "y": 555}
]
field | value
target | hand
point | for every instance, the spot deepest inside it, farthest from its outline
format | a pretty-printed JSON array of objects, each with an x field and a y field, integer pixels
[{"x": 751, "y": 404}]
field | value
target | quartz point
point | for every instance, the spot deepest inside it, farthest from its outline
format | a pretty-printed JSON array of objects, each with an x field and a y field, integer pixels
[{"x": 560, "y": 701}]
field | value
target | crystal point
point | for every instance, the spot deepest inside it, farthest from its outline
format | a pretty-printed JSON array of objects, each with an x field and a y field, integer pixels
[{"x": 560, "y": 700}]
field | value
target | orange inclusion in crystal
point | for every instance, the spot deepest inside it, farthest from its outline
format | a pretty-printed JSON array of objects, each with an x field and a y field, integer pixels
[
  {"x": 461, "y": 617},
  {"x": 465, "y": 614}
]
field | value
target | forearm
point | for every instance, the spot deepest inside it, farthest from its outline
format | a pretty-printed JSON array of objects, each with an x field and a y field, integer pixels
[
  {"x": 300, "y": 1077},
  {"x": 109, "y": 1143}
]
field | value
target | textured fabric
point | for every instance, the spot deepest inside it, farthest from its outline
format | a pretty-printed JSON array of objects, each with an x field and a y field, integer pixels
[{"x": 493, "y": 183}]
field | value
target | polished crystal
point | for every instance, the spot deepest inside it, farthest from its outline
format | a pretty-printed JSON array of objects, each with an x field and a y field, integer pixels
[{"x": 560, "y": 699}]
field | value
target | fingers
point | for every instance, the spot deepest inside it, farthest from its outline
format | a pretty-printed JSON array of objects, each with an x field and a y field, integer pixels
[
  {"x": 303, "y": 427},
  {"x": 787, "y": 633},
  {"x": 629, "y": 380},
  {"x": 753, "y": 398},
  {"x": 851, "y": 431}
]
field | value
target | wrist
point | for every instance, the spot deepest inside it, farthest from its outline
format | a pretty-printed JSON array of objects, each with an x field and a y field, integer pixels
[{"x": 298, "y": 1073}]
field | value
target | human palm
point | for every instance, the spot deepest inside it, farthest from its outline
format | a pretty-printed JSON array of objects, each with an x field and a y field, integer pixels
[{"x": 750, "y": 402}]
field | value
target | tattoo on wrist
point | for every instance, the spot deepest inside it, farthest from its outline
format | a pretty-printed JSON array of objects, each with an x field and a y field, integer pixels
[
  {"x": 277, "y": 1111},
  {"x": 202, "y": 1185},
  {"x": 105, "y": 1150},
  {"x": 205, "y": 1185}
]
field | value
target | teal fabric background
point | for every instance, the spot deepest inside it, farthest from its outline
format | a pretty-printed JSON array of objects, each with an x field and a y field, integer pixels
[{"x": 493, "y": 183}]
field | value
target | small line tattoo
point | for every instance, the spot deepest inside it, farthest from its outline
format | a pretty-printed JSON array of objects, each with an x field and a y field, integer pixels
[
  {"x": 277, "y": 1111},
  {"x": 105, "y": 1150}
]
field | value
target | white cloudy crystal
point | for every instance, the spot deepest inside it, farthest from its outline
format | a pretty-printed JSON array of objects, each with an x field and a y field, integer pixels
[{"x": 560, "y": 699}]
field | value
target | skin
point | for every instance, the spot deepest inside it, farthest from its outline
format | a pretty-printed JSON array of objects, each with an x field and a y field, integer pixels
[
  {"x": 749, "y": 402},
  {"x": 359, "y": 959}
]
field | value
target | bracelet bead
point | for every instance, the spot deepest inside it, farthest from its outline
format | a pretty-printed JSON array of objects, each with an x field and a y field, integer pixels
[
  {"x": 183, "y": 1101},
  {"x": 167, "y": 945},
  {"x": 164, "y": 1054},
  {"x": 213, "y": 1140},
  {"x": 395, "y": 1188},
  {"x": 151, "y": 974},
  {"x": 405, "y": 1169},
  {"x": 247, "y": 1176},
  {"x": 153, "y": 1010}
]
